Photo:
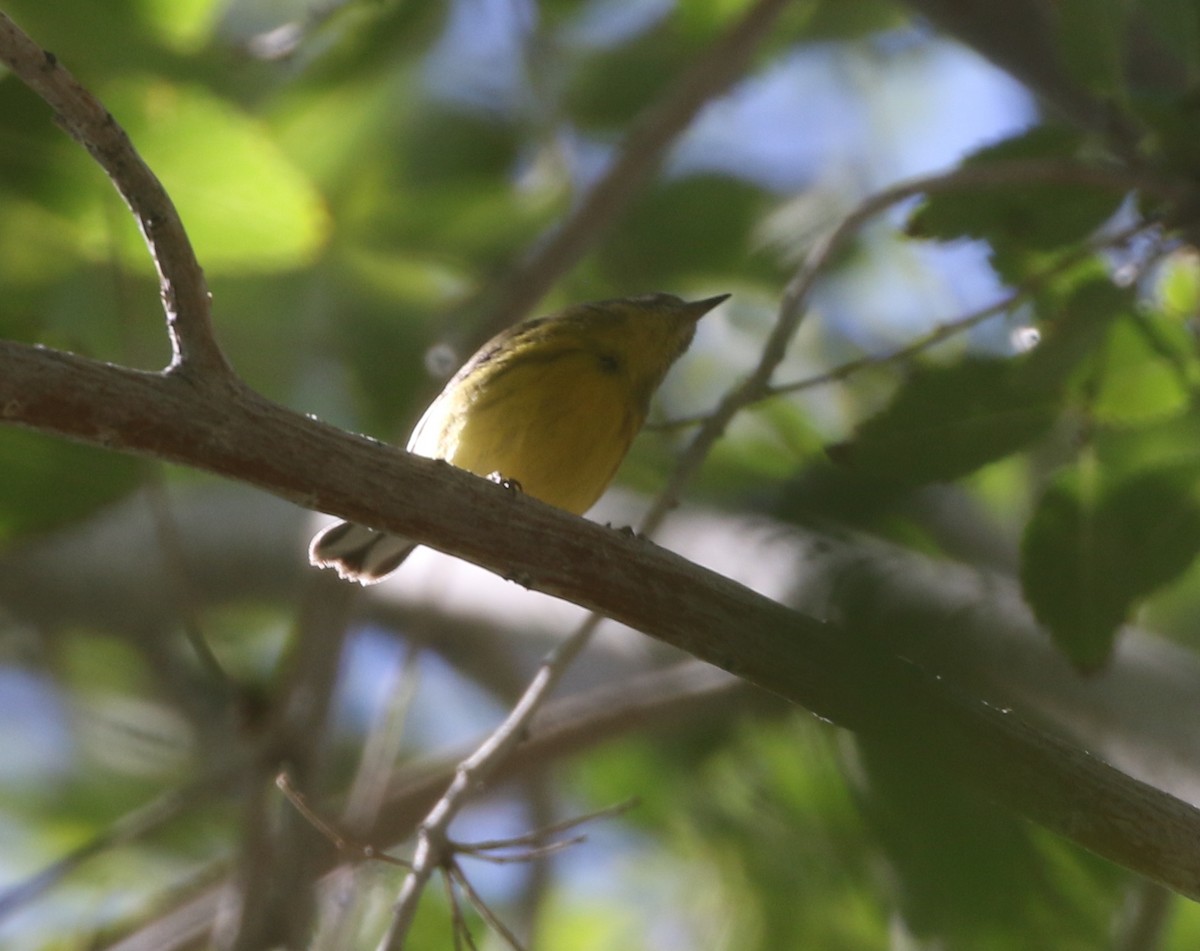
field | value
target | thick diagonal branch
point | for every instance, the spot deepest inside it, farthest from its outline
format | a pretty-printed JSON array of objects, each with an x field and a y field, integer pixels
[{"x": 245, "y": 437}]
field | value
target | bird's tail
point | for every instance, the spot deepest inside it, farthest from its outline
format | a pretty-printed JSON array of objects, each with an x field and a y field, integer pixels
[{"x": 358, "y": 553}]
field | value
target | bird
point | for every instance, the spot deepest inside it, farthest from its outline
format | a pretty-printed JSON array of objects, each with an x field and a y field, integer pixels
[{"x": 549, "y": 406}]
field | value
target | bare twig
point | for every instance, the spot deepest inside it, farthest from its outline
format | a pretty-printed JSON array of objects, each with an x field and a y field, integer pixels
[
  {"x": 184, "y": 292},
  {"x": 519, "y": 856},
  {"x": 167, "y": 533},
  {"x": 536, "y": 880},
  {"x": 630, "y": 580},
  {"x": 433, "y": 846},
  {"x": 640, "y": 155},
  {"x": 564, "y": 727},
  {"x": 943, "y": 331},
  {"x": 458, "y": 924},
  {"x": 242, "y": 436},
  {"x": 300, "y": 803},
  {"x": 950, "y": 328},
  {"x": 364, "y": 799},
  {"x": 382, "y": 745},
  {"x": 757, "y": 386},
  {"x": 273, "y": 895},
  {"x": 494, "y": 921},
  {"x": 537, "y": 836}
]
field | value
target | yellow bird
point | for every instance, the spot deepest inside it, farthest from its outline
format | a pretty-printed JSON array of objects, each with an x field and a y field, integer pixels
[{"x": 550, "y": 405}]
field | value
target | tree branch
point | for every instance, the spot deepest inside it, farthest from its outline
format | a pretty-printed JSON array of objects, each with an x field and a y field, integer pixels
[
  {"x": 757, "y": 384},
  {"x": 181, "y": 416},
  {"x": 433, "y": 842},
  {"x": 272, "y": 889},
  {"x": 565, "y": 727},
  {"x": 184, "y": 292},
  {"x": 245, "y": 437}
]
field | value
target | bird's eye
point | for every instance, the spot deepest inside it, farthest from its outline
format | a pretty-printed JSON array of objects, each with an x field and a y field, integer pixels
[{"x": 608, "y": 362}]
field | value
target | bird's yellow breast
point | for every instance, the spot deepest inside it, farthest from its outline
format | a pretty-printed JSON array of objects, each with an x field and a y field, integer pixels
[{"x": 559, "y": 426}]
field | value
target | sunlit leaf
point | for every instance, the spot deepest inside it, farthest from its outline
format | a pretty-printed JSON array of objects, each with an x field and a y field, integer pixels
[
  {"x": 1178, "y": 285},
  {"x": 245, "y": 205},
  {"x": 1145, "y": 369},
  {"x": 184, "y": 24}
]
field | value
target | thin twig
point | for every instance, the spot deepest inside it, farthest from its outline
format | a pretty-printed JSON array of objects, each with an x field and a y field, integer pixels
[
  {"x": 345, "y": 845},
  {"x": 950, "y": 328},
  {"x": 171, "y": 547},
  {"x": 276, "y": 903},
  {"x": 567, "y": 726},
  {"x": 848, "y": 369},
  {"x": 300, "y": 803},
  {"x": 458, "y": 924},
  {"x": 364, "y": 799},
  {"x": 523, "y": 856},
  {"x": 182, "y": 286},
  {"x": 537, "y": 835},
  {"x": 184, "y": 338},
  {"x": 494, "y": 921},
  {"x": 946, "y": 330},
  {"x": 432, "y": 842},
  {"x": 793, "y": 305},
  {"x": 382, "y": 745}
]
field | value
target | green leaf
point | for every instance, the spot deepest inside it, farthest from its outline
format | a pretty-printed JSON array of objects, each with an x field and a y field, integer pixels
[
  {"x": 448, "y": 146},
  {"x": 1024, "y": 215},
  {"x": 609, "y": 89},
  {"x": 685, "y": 227},
  {"x": 1176, "y": 25},
  {"x": 1095, "y": 548},
  {"x": 1178, "y": 285},
  {"x": 50, "y": 482},
  {"x": 1157, "y": 443},
  {"x": 185, "y": 25},
  {"x": 1173, "y": 137},
  {"x": 1091, "y": 36},
  {"x": 246, "y": 207},
  {"x": 969, "y": 874},
  {"x": 1144, "y": 370},
  {"x": 948, "y": 421}
]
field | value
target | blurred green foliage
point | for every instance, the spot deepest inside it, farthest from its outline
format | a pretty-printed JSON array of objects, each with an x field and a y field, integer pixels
[{"x": 355, "y": 198}]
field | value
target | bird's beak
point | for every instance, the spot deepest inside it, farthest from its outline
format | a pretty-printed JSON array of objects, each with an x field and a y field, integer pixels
[{"x": 698, "y": 308}]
